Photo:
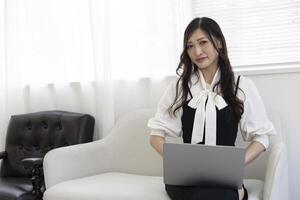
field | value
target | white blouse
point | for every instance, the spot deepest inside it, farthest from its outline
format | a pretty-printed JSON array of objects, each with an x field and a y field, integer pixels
[{"x": 254, "y": 124}]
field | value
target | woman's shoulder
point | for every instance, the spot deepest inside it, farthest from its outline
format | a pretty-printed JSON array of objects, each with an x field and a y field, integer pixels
[
  {"x": 244, "y": 82},
  {"x": 172, "y": 81},
  {"x": 246, "y": 87},
  {"x": 170, "y": 87}
]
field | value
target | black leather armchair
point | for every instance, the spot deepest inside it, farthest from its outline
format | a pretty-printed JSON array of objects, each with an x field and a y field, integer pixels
[{"x": 29, "y": 137}]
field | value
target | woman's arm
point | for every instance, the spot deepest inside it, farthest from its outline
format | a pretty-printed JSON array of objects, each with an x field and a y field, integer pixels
[
  {"x": 253, "y": 150},
  {"x": 157, "y": 142}
]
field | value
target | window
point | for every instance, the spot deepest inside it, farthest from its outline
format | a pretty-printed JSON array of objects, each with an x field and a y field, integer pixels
[{"x": 257, "y": 32}]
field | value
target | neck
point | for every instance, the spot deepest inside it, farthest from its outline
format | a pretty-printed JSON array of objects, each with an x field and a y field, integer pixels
[{"x": 209, "y": 74}]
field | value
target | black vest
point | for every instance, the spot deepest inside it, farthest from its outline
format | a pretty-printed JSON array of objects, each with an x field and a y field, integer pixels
[{"x": 227, "y": 127}]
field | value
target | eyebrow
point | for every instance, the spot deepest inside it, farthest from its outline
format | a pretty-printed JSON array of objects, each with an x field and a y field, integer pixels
[{"x": 198, "y": 39}]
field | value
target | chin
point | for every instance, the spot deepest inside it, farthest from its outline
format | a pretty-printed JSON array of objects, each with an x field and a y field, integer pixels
[{"x": 202, "y": 67}]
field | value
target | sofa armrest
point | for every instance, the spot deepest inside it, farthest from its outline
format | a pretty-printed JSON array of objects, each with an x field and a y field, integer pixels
[
  {"x": 3, "y": 154},
  {"x": 276, "y": 179},
  {"x": 76, "y": 161}
]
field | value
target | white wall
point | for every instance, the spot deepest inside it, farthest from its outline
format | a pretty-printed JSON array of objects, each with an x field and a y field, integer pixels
[{"x": 281, "y": 92}]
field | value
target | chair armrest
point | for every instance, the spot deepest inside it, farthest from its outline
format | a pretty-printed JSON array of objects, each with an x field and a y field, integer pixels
[
  {"x": 3, "y": 154},
  {"x": 32, "y": 162},
  {"x": 276, "y": 179},
  {"x": 35, "y": 165},
  {"x": 76, "y": 161}
]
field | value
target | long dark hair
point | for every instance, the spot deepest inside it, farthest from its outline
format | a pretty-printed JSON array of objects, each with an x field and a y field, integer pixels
[{"x": 185, "y": 68}]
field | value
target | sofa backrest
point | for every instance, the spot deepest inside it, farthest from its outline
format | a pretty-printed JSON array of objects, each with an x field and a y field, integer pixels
[
  {"x": 132, "y": 152},
  {"x": 129, "y": 144}
]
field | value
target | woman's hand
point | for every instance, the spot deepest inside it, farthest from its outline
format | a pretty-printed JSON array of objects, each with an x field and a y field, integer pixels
[{"x": 241, "y": 193}]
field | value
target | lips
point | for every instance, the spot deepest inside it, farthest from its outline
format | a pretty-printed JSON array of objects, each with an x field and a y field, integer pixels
[{"x": 201, "y": 59}]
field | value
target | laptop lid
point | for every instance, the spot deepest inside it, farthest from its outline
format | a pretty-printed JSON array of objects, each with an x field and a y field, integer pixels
[{"x": 203, "y": 165}]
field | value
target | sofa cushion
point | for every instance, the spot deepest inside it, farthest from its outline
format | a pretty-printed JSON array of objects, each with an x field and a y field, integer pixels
[
  {"x": 109, "y": 186},
  {"x": 255, "y": 188},
  {"x": 15, "y": 188},
  {"x": 116, "y": 186}
]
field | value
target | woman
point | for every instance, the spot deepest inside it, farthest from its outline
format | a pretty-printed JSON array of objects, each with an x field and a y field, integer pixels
[{"x": 207, "y": 104}]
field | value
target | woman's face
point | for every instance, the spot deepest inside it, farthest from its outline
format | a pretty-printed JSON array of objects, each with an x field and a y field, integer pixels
[{"x": 201, "y": 51}]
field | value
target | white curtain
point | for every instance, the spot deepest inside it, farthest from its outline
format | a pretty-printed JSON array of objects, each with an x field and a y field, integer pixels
[
  {"x": 3, "y": 120},
  {"x": 102, "y": 57}
]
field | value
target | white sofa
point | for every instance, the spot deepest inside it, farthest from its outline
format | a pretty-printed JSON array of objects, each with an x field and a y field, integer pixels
[{"x": 123, "y": 165}]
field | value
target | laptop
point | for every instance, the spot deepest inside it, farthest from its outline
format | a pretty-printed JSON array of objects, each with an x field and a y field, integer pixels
[{"x": 203, "y": 165}]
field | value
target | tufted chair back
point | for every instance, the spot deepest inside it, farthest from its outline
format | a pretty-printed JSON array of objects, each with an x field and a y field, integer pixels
[{"x": 34, "y": 134}]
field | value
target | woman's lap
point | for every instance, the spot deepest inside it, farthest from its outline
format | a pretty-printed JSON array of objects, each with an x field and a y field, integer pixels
[{"x": 198, "y": 193}]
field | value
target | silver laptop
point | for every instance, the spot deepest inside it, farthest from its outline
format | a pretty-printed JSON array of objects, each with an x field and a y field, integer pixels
[{"x": 203, "y": 165}]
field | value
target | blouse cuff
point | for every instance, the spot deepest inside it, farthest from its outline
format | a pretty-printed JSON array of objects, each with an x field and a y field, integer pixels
[
  {"x": 160, "y": 133},
  {"x": 263, "y": 139}
]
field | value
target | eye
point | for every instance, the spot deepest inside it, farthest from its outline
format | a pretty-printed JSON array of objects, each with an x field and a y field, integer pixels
[
  {"x": 189, "y": 46},
  {"x": 203, "y": 42}
]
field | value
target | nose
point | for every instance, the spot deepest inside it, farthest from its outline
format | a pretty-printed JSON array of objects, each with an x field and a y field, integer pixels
[{"x": 198, "y": 50}]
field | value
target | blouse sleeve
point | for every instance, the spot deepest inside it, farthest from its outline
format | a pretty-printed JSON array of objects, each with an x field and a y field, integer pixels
[
  {"x": 162, "y": 124},
  {"x": 254, "y": 124}
]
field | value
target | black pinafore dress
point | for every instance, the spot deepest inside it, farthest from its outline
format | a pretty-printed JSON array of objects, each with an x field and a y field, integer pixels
[{"x": 227, "y": 129}]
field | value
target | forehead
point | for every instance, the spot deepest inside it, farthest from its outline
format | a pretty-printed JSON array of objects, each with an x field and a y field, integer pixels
[{"x": 197, "y": 35}]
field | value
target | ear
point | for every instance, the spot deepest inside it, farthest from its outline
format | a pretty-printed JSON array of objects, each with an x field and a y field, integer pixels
[{"x": 219, "y": 43}]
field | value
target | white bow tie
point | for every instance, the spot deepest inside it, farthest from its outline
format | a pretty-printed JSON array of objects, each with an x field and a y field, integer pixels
[{"x": 206, "y": 115}]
